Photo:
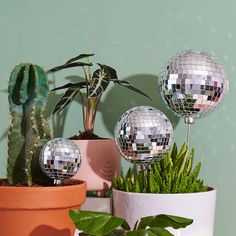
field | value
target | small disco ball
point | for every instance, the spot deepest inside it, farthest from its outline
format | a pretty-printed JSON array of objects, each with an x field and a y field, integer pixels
[
  {"x": 60, "y": 159},
  {"x": 143, "y": 134},
  {"x": 193, "y": 84}
]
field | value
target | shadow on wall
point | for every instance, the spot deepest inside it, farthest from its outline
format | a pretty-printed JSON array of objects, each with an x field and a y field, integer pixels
[
  {"x": 119, "y": 100},
  {"x": 57, "y": 121}
]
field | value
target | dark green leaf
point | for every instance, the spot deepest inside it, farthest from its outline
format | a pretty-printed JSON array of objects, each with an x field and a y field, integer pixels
[
  {"x": 96, "y": 223},
  {"x": 99, "y": 84},
  {"x": 116, "y": 232},
  {"x": 174, "y": 153},
  {"x": 128, "y": 85},
  {"x": 65, "y": 100},
  {"x": 141, "y": 232},
  {"x": 164, "y": 221},
  {"x": 79, "y": 57},
  {"x": 155, "y": 231},
  {"x": 71, "y": 85},
  {"x": 65, "y": 66},
  {"x": 111, "y": 72},
  {"x": 160, "y": 231},
  {"x": 181, "y": 162}
]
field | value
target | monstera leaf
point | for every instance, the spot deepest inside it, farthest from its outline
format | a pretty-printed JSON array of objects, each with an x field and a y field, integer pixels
[{"x": 100, "y": 224}]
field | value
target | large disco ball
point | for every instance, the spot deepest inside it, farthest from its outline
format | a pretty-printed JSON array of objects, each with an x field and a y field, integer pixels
[
  {"x": 193, "y": 84},
  {"x": 143, "y": 134},
  {"x": 60, "y": 159}
]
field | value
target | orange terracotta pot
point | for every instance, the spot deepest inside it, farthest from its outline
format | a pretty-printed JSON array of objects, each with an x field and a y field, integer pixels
[
  {"x": 39, "y": 211},
  {"x": 100, "y": 163}
]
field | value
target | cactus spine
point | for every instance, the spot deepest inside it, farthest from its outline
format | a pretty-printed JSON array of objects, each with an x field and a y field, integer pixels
[{"x": 28, "y": 93}]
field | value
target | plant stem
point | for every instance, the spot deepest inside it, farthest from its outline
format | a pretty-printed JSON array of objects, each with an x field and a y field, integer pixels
[
  {"x": 188, "y": 135},
  {"x": 82, "y": 101},
  {"x": 89, "y": 72},
  {"x": 87, "y": 82},
  {"x": 91, "y": 111}
]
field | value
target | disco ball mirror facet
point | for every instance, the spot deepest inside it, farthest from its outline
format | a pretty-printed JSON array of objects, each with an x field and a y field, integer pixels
[
  {"x": 60, "y": 159},
  {"x": 143, "y": 134},
  {"x": 193, "y": 84}
]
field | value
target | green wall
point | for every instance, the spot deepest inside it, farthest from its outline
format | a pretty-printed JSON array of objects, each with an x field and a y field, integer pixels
[{"x": 137, "y": 38}]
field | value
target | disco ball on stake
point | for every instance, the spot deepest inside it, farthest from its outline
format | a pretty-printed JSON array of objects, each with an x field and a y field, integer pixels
[
  {"x": 60, "y": 159},
  {"x": 143, "y": 134},
  {"x": 192, "y": 85}
]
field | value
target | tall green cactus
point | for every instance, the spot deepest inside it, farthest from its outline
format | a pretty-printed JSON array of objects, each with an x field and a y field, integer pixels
[{"x": 29, "y": 131}]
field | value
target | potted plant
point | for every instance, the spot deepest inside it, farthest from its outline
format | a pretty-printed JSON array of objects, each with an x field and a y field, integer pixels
[
  {"x": 100, "y": 156},
  {"x": 30, "y": 205},
  {"x": 170, "y": 186},
  {"x": 100, "y": 224}
]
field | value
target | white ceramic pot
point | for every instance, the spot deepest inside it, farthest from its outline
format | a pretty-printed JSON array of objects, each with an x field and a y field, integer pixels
[
  {"x": 198, "y": 206},
  {"x": 100, "y": 163}
]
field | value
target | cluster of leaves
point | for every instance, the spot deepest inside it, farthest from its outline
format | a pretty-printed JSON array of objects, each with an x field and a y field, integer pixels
[
  {"x": 100, "y": 224},
  {"x": 173, "y": 174},
  {"x": 93, "y": 84}
]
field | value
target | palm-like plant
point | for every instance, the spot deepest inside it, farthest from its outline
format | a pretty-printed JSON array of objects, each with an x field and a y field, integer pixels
[{"x": 94, "y": 85}]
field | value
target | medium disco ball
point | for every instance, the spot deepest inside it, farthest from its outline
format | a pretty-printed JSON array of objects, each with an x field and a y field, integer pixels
[
  {"x": 193, "y": 84},
  {"x": 143, "y": 134},
  {"x": 60, "y": 159}
]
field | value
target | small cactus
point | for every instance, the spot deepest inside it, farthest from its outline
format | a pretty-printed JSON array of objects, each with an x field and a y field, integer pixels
[
  {"x": 29, "y": 131},
  {"x": 173, "y": 174}
]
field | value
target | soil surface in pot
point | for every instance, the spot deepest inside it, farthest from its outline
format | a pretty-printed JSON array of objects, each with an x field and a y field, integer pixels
[
  {"x": 86, "y": 136},
  {"x": 68, "y": 182}
]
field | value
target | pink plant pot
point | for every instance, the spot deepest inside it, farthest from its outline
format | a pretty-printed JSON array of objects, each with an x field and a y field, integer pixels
[
  {"x": 100, "y": 163},
  {"x": 197, "y": 206}
]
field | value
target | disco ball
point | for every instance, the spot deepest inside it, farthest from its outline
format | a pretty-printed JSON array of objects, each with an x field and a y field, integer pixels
[
  {"x": 60, "y": 159},
  {"x": 143, "y": 134},
  {"x": 193, "y": 84}
]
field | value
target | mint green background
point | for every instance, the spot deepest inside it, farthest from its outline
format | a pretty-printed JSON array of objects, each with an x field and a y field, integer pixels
[{"x": 137, "y": 38}]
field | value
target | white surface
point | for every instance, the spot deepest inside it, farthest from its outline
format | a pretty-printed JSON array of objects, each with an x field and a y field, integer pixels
[
  {"x": 97, "y": 204},
  {"x": 198, "y": 206}
]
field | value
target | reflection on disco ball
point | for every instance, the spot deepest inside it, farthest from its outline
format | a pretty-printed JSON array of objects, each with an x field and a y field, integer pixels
[
  {"x": 60, "y": 159},
  {"x": 143, "y": 134},
  {"x": 193, "y": 84}
]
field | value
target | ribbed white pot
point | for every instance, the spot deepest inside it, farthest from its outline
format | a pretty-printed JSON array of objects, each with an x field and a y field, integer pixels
[{"x": 198, "y": 206}]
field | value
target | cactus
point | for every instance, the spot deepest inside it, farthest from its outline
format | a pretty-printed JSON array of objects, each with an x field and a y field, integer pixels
[
  {"x": 173, "y": 174},
  {"x": 29, "y": 131}
]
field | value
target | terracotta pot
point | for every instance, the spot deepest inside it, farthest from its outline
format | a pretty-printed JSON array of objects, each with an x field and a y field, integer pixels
[
  {"x": 100, "y": 163},
  {"x": 198, "y": 206},
  {"x": 39, "y": 211}
]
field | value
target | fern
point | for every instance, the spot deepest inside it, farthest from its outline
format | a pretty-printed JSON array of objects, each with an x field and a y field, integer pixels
[{"x": 173, "y": 174}]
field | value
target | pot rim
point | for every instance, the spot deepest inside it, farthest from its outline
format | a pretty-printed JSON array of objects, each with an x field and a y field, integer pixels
[
  {"x": 31, "y": 198},
  {"x": 210, "y": 191},
  {"x": 47, "y": 188},
  {"x": 94, "y": 140}
]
